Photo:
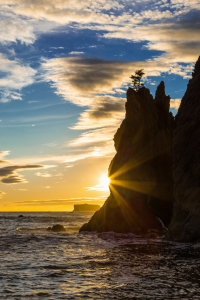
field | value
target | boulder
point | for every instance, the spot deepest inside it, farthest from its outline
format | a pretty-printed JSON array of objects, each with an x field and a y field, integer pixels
[
  {"x": 57, "y": 228},
  {"x": 185, "y": 223},
  {"x": 141, "y": 188}
]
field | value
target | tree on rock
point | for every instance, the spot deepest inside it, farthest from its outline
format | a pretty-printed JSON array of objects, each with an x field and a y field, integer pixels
[{"x": 136, "y": 79}]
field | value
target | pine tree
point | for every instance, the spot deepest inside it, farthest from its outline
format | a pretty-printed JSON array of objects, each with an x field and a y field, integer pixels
[{"x": 136, "y": 79}]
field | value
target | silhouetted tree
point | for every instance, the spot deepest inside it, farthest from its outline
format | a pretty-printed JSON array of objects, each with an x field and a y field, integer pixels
[{"x": 136, "y": 79}]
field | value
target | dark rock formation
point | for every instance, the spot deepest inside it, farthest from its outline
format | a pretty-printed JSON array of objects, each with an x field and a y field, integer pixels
[
  {"x": 86, "y": 207},
  {"x": 57, "y": 228},
  {"x": 185, "y": 224},
  {"x": 141, "y": 189}
]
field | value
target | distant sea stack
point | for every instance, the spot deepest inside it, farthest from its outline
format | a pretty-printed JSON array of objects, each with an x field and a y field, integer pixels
[
  {"x": 141, "y": 189},
  {"x": 185, "y": 224},
  {"x": 86, "y": 208}
]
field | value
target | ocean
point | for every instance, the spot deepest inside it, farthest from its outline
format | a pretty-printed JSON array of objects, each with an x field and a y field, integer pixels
[{"x": 39, "y": 264}]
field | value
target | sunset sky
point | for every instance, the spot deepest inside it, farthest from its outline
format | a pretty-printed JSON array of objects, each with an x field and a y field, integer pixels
[{"x": 65, "y": 66}]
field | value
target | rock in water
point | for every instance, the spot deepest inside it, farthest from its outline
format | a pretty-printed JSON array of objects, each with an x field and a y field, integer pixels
[
  {"x": 141, "y": 188},
  {"x": 185, "y": 224},
  {"x": 57, "y": 228}
]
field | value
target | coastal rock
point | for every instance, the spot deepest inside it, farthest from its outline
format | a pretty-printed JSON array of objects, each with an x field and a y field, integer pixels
[
  {"x": 57, "y": 228},
  {"x": 141, "y": 188},
  {"x": 185, "y": 224}
]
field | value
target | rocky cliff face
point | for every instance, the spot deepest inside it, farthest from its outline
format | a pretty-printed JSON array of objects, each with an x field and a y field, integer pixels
[
  {"x": 141, "y": 189},
  {"x": 185, "y": 224}
]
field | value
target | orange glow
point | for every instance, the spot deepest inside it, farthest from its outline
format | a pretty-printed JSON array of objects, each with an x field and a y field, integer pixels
[{"x": 105, "y": 181}]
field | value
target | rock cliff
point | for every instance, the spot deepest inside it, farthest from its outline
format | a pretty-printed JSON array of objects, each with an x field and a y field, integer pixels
[
  {"x": 185, "y": 224},
  {"x": 141, "y": 189}
]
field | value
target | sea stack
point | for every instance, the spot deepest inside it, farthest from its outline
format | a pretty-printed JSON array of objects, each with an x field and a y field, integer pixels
[
  {"x": 185, "y": 224},
  {"x": 141, "y": 188}
]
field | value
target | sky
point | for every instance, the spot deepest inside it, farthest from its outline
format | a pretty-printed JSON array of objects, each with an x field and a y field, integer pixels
[{"x": 65, "y": 67}]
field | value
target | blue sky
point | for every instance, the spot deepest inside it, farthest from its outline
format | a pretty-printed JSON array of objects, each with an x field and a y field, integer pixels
[{"x": 64, "y": 70}]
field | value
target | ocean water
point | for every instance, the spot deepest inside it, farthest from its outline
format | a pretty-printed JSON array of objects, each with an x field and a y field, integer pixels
[{"x": 39, "y": 264}]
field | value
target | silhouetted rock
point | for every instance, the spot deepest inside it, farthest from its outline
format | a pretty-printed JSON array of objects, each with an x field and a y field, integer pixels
[
  {"x": 141, "y": 171},
  {"x": 86, "y": 207},
  {"x": 185, "y": 224},
  {"x": 20, "y": 216},
  {"x": 57, "y": 228}
]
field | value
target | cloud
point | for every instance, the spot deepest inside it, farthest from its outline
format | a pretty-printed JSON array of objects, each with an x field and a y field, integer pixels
[
  {"x": 73, "y": 77},
  {"x": 4, "y": 153},
  {"x": 49, "y": 158},
  {"x": 62, "y": 11},
  {"x": 175, "y": 103},
  {"x": 38, "y": 119},
  {"x": 34, "y": 101},
  {"x": 96, "y": 84},
  {"x": 178, "y": 37},
  {"x": 9, "y": 170},
  {"x": 14, "y": 28},
  {"x": 2, "y": 194},
  {"x": 46, "y": 175},
  {"x": 15, "y": 77},
  {"x": 106, "y": 112},
  {"x": 9, "y": 174},
  {"x": 107, "y": 108},
  {"x": 58, "y": 202},
  {"x": 76, "y": 52},
  {"x": 92, "y": 81},
  {"x": 93, "y": 137},
  {"x": 13, "y": 179},
  {"x": 170, "y": 27}
]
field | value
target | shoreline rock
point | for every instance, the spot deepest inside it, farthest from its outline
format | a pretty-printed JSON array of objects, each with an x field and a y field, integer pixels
[
  {"x": 57, "y": 228},
  {"x": 185, "y": 223},
  {"x": 141, "y": 189}
]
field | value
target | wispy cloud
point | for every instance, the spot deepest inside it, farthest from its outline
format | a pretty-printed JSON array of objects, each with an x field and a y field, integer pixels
[
  {"x": 46, "y": 175},
  {"x": 2, "y": 194},
  {"x": 58, "y": 202},
  {"x": 76, "y": 52},
  {"x": 9, "y": 174}
]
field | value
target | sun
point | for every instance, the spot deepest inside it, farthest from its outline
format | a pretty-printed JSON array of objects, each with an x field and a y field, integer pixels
[
  {"x": 103, "y": 186},
  {"x": 104, "y": 181}
]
